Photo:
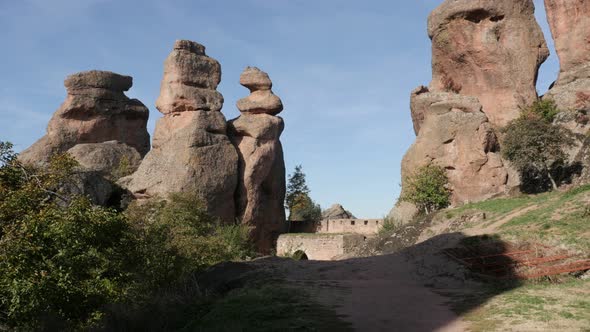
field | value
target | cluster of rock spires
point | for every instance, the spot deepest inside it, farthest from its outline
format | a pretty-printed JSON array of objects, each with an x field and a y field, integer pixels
[
  {"x": 236, "y": 168},
  {"x": 485, "y": 59}
]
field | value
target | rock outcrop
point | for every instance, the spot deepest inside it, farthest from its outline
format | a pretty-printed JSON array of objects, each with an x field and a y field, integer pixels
[
  {"x": 255, "y": 134},
  {"x": 111, "y": 158},
  {"x": 337, "y": 211},
  {"x": 488, "y": 49},
  {"x": 569, "y": 21},
  {"x": 485, "y": 59},
  {"x": 191, "y": 150},
  {"x": 456, "y": 134},
  {"x": 96, "y": 110}
]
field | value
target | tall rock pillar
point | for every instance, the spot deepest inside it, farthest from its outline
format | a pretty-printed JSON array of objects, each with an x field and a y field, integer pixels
[
  {"x": 191, "y": 151},
  {"x": 255, "y": 134}
]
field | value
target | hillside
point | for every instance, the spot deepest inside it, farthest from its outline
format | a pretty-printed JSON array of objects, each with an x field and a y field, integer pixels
[{"x": 555, "y": 222}]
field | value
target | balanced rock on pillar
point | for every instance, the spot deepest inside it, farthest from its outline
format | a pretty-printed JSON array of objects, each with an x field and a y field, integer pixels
[
  {"x": 261, "y": 185},
  {"x": 191, "y": 150}
]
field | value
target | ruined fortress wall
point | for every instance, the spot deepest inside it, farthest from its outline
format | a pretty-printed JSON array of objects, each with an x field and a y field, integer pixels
[
  {"x": 356, "y": 226},
  {"x": 321, "y": 247}
]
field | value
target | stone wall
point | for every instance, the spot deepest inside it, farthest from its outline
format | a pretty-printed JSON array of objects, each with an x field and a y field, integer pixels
[
  {"x": 321, "y": 247},
  {"x": 356, "y": 226}
]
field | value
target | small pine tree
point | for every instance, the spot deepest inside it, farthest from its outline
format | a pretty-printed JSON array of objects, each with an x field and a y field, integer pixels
[{"x": 296, "y": 187}]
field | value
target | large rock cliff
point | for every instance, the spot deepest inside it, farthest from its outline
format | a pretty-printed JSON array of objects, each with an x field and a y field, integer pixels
[
  {"x": 569, "y": 21},
  {"x": 488, "y": 49},
  {"x": 485, "y": 59}
]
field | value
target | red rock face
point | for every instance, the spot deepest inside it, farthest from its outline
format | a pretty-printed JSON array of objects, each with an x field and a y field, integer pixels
[
  {"x": 96, "y": 110},
  {"x": 570, "y": 26},
  {"x": 261, "y": 185},
  {"x": 569, "y": 21},
  {"x": 191, "y": 150},
  {"x": 489, "y": 49},
  {"x": 456, "y": 135}
]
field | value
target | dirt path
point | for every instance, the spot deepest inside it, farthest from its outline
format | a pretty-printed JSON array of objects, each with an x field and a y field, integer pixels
[
  {"x": 382, "y": 293},
  {"x": 493, "y": 227}
]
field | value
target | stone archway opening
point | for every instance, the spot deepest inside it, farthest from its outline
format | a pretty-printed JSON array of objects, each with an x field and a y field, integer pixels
[{"x": 300, "y": 255}]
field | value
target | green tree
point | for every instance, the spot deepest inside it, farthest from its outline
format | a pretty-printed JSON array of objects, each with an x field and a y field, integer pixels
[
  {"x": 428, "y": 188},
  {"x": 296, "y": 187},
  {"x": 304, "y": 208},
  {"x": 532, "y": 144}
]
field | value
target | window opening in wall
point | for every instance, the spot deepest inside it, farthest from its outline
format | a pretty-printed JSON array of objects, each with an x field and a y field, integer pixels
[
  {"x": 366, "y": 222},
  {"x": 352, "y": 222}
]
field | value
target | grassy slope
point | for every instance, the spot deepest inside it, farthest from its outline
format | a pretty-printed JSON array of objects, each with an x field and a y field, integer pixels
[{"x": 558, "y": 219}]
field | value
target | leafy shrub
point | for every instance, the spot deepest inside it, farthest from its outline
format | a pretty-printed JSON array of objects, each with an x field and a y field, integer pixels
[
  {"x": 427, "y": 188},
  {"x": 535, "y": 147},
  {"x": 542, "y": 109},
  {"x": 178, "y": 237},
  {"x": 61, "y": 258},
  {"x": 64, "y": 262}
]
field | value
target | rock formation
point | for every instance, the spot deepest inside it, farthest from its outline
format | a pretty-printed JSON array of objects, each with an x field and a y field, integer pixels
[
  {"x": 101, "y": 128},
  {"x": 336, "y": 211},
  {"x": 96, "y": 110},
  {"x": 456, "y": 134},
  {"x": 110, "y": 158},
  {"x": 191, "y": 151},
  {"x": 569, "y": 21},
  {"x": 489, "y": 49},
  {"x": 485, "y": 59},
  {"x": 255, "y": 134}
]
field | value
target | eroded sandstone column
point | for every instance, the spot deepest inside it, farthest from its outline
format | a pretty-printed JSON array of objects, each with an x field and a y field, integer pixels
[
  {"x": 191, "y": 150},
  {"x": 261, "y": 186},
  {"x": 489, "y": 49},
  {"x": 96, "y": 110}
]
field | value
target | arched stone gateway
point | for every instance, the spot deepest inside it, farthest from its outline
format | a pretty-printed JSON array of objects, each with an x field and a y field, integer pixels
[{"x": 320, "y": 247}]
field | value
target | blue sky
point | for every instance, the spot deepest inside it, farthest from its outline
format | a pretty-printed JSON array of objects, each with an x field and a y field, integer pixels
[{"x": 344, "y": 70}]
